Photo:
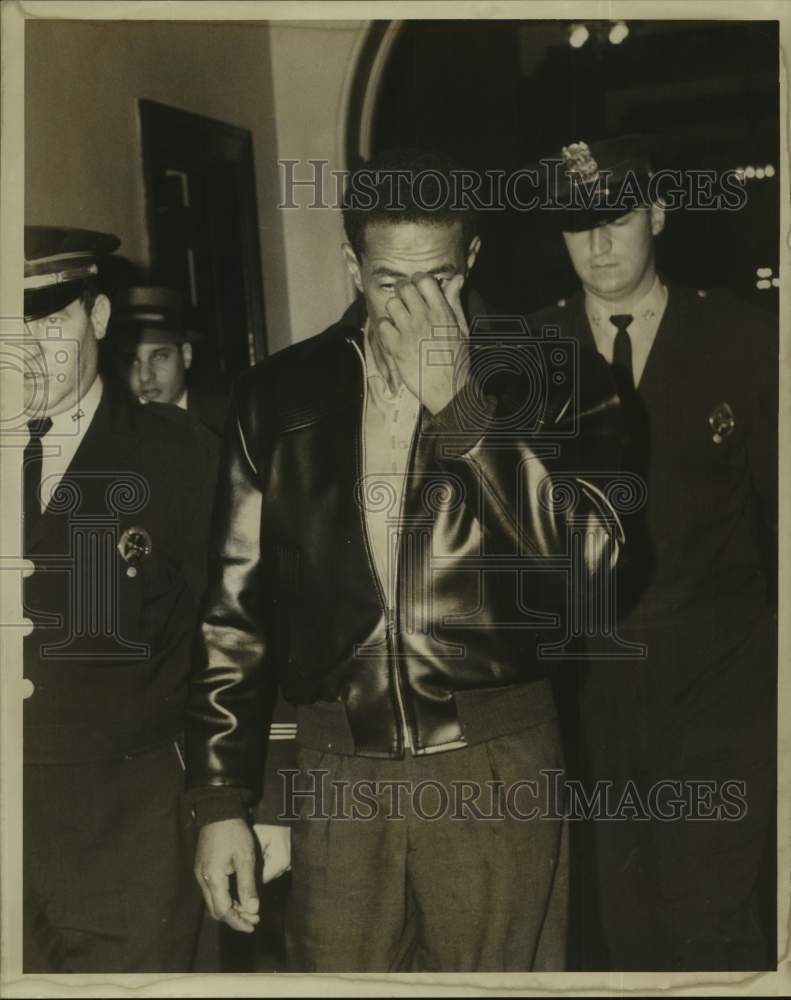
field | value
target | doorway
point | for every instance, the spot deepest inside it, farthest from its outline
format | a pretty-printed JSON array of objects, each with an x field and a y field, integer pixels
[{"x": 203, "y": 229}]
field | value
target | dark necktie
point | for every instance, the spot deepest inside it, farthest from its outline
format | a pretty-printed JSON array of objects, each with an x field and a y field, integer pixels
[
  {"x": 33, "y": 459},
  {"x": 622, "y": 350}
]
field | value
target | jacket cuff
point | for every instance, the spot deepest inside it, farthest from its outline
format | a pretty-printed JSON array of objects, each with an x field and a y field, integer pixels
[
  {"x": 212, "y": 805},
  {"x": 281, "y": 755}
]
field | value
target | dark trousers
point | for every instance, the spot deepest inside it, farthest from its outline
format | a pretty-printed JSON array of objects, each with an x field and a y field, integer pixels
[
  {"x": 108, "y": 883},
  {"x": 408, "y": 879},
  {"x": 686, "y": 894}
]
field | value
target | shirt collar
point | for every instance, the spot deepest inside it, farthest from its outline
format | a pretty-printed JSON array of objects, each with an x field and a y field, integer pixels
[
  {"x": 83, "y": 411},
  {"x": 371, "y": 368},
  {"x": 181, "y": 402},
  {"x": 373, "y": 373},
  {"x": 650, "y": 306}
]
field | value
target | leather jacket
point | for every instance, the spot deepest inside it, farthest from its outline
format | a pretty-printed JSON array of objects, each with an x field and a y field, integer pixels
[{"x": 294, "y": 596}]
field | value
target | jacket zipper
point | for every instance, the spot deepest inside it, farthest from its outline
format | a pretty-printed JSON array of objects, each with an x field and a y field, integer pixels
[
  {"x": 389, "y": 612},
  {"x": 397, "y": 561}
]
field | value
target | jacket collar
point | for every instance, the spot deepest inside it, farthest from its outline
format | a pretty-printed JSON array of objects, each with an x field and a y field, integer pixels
[{"x": 351, "y": 324}]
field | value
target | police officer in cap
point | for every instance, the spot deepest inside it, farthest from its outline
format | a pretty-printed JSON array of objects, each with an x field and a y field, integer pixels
[
  {"x": 686, "y": 704},
  {"x": 117, "y": 500},
  {"x": 154, "y": 350}
]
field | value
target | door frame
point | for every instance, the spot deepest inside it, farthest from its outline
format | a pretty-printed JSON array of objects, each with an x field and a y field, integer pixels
[{"x": 210, "y": 141}]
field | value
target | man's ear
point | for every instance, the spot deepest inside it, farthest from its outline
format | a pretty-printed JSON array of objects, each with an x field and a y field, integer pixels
[
  {"x": 186, "y": 354},
  {"x": 100, "y": 316},
  {"x": 353, "y": 265},
  {"x": 657, "y": 218},
  {"x": 472, "y": 252}
]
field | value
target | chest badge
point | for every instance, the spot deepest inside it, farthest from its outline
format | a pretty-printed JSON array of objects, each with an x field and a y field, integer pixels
[
  {"x": 722, "y": 422},
  {"x": 135, "y": 546}
]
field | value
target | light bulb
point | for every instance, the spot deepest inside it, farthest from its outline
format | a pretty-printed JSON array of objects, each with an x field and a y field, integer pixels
[
  {"x": 578, "y": 35},
  {"x": 619, "y": 32}
]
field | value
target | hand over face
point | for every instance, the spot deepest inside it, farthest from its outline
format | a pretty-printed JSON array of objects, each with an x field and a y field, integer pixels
[{"x": 424, "y": 337}]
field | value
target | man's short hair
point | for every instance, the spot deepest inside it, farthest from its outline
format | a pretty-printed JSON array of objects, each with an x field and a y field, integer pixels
[{"x": 405, "y": 185}]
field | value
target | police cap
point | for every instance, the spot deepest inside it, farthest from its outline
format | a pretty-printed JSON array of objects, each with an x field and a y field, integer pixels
[
  {"x": 591, "y": 183},
  {"x": 59, "y": 264}
]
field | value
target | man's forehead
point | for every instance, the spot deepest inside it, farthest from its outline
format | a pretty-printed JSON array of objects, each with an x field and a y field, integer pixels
[
  {"x": 152, "y": 341},
  {"x": 157, "y": 343},
  {"x": 412, "y": 240}
]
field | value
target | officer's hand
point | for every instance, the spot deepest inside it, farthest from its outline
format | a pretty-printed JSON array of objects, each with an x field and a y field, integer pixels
[
  {"x": 224, "y": 849},
  {"x": 421, "y": 314},
  {"x": 275, "y": 844}
]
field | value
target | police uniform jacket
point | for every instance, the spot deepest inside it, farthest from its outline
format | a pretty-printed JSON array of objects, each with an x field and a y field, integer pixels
[
  {"x": 704, "y": 438},
  {"x": 118, "y": 571},
  {"x": 696, "y": 578}
]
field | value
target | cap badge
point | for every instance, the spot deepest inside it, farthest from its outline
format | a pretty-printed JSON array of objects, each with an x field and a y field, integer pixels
[
  {"x": 134, "y": 546},
  {"x": 722, "y": 422},
  {"x": 579, "y": 162}
]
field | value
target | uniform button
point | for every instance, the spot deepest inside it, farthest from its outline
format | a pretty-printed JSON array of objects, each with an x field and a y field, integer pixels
[
  {"x": 28, "y": 687},
  {"x": 28, "y": 569},
  {"x": 701, "y": 293},
  {"x": 562, "y": 303}
]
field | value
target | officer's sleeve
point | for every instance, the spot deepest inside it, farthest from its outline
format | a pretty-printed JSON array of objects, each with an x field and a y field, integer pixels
[
  {"x": 233, "y": 685},
  {"x": 281, "y": 755}
]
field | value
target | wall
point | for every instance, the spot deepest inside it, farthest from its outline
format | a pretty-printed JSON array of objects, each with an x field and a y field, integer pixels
[
  {"x": 311, "y": 69},
  {"x": 285, "y": 82}
]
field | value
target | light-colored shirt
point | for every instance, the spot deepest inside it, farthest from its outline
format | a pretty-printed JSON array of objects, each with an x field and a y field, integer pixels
[
  {"x": 642, "y": 330},
  {"x": 389, "y": 425},
  {"x": 60, "y": 444}
]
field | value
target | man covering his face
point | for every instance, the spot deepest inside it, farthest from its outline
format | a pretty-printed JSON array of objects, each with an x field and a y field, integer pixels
[{"x": 378, "y": 498}]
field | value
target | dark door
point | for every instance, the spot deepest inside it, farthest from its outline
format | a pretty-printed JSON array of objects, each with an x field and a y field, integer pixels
[{"x": 203, "y": 224}]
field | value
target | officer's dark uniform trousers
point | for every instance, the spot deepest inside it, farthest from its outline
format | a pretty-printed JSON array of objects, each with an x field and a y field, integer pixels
[{"x": 108, "y": 839}]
